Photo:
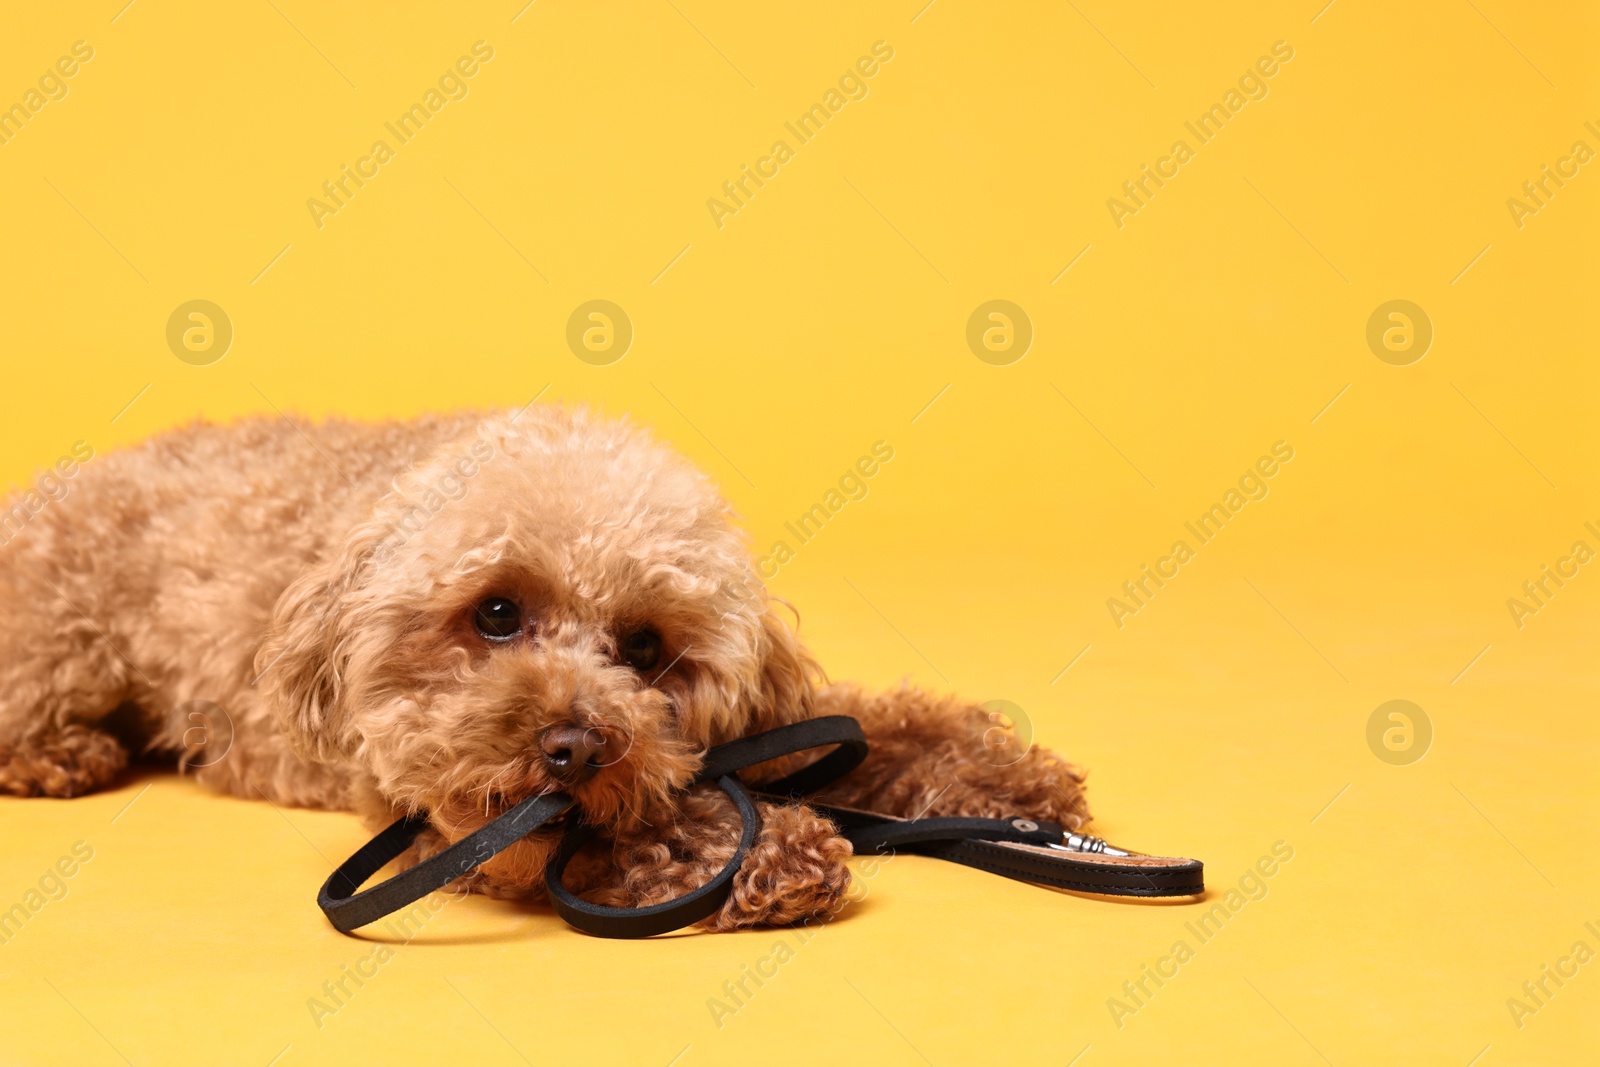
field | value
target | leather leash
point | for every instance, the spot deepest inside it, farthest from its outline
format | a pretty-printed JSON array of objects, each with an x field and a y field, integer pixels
[{"x": 1028, "y": 850}]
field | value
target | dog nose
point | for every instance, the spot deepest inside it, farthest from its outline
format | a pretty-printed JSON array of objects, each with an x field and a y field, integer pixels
[{"x": 572, "y": 752}]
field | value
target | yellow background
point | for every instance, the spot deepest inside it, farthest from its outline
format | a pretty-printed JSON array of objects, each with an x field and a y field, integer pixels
[{"x": 826, "y": 315}]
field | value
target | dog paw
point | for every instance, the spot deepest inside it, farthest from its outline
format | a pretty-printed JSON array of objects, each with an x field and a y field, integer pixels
[
  {"x": 795, "y": 870},
  {"x": 76, "y": 761}
]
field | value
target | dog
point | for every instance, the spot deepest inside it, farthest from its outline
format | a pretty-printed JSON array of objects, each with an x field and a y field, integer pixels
[{"x": 448, "y": 615}]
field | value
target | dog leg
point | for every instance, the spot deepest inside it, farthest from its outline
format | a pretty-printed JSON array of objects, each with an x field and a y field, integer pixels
[
  {"x": 59, "y": 676},
  {"x": 941, "y": 756},
  {"x": 69, "y": 762},
  {"x": 796, "y": 868},
  {"x": 795, "y": 871}
]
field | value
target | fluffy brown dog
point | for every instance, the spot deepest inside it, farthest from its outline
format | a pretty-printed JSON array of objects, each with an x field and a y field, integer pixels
[{"x": 450, "y": 615}]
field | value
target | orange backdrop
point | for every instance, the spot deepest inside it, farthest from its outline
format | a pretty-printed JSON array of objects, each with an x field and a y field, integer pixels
[{"x": 1305, "y": 292}]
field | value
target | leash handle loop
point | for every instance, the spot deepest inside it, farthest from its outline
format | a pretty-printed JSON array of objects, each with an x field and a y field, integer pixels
[
  {"x": 720, "y": 765},
  {"x": 697, "y": 904}
]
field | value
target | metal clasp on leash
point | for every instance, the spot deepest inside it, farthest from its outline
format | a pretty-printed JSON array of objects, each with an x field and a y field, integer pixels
[{"x": 1071, "y": 842}]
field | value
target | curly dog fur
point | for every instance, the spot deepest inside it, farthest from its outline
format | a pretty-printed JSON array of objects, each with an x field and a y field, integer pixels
[{"x": 318, "y": 591}]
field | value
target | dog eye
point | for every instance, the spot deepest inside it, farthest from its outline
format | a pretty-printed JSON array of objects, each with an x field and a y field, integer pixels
[
  {"x": 641, "y": 649},
  {"x": 498, "y": 619}
]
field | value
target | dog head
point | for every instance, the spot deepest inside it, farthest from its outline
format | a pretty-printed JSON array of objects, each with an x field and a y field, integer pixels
[{"x": 553, "y": 602}]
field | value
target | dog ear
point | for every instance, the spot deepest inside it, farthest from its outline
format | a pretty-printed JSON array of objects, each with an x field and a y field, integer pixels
[
  {"x": 789, "y": 676},
  {"x": 303, "y": 661},
  {"x": 321, "y": 630}
]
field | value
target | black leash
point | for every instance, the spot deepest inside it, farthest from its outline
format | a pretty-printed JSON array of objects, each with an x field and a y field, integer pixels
[{"x": 1025, "y": 849}]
